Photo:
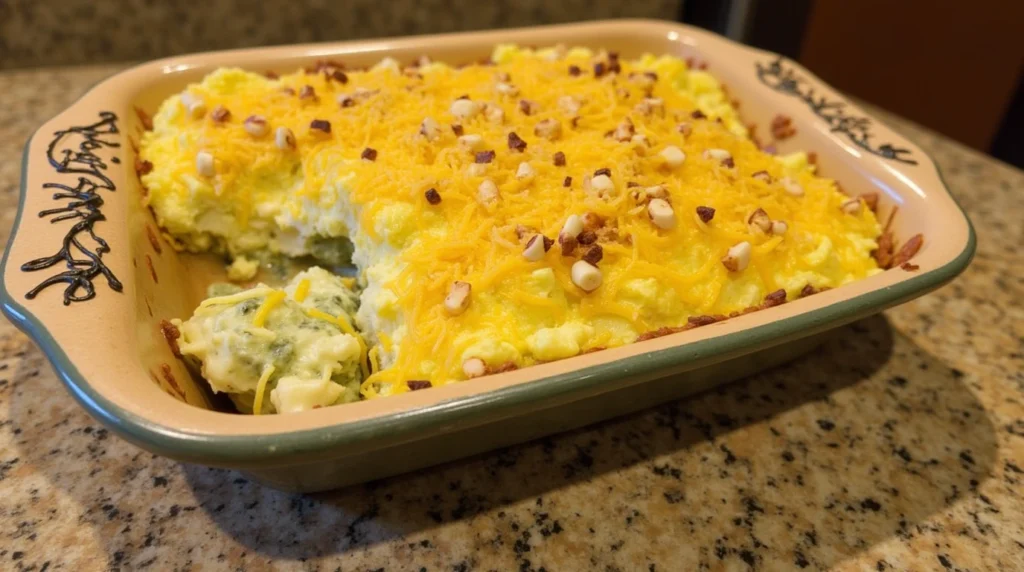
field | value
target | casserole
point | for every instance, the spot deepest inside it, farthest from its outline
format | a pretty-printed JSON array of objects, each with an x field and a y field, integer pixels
[{"x": 99, "y": 321}]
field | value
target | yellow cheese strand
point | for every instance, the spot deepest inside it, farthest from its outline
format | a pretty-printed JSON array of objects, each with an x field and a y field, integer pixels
[
  {"x": 269, "y": 303},
  {"x": 302, "y": 290},
  {"x": 261, "y": 387},
  {"x": 374, "y": 364}
]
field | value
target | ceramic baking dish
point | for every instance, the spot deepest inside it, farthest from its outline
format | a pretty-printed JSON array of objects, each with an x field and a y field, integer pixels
[{"x": 88, "y": 277}]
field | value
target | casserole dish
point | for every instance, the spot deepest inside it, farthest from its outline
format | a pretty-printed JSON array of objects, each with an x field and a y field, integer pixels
[{"x": 89, "y": 278}]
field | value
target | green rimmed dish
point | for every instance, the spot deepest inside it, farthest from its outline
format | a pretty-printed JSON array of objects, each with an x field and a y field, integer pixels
[{"x": 98, "y": 320}]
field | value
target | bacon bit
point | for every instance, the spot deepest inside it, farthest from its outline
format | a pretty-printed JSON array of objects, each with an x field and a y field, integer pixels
[
  {"x": 548, "y": 243},
  {"x": 507, "y": 366},
  {"x": 220, "y": 114},
  {"x": 345, "y": 100},
  {"x": 463, "y": 96},
  {"x": 762, "y": 176},
  {"x": 603, "y": 171},
  {"x": 599, "y": 69},
  {"x": 321, "y": 125},
  {"x": 307, "y": 92},
  {"x": 587, "y": 237},
  {"x": 568, "y": 244},
  {"x": 812, "y": 158},
  {"x": 171, "y": 333},
  {"x": 660, "y": 332},
  {"x": 705, "y": 214},
  {"x": 909, "y": 267},
  {"x": 144, "y": 118},
  {"x": 418, "y": 384},
  {"x": 698, "y": 114},
  {"x": 337, "y": 75},
  {"x": 776, "y": 298},
  {"x": 484, "y": 156},
  {"x": 592, "y": 221},
  {"x": 575, "y": 70},
  {"x": 575, "y": 121},
  {"x": 809, "y": 290},
  {"x": 515, "y": 142},
  {"x": 528, "y": 107},
  {"x": 458, "y": 130},
  {"x": 883, "y": 254},
  {"x": 728, "y": 163},
  {"x": 433, "y": 197},
  {"x": 594, "y": 254},
  {"x": 871, "y": 200},
  {"x": 567, "y": 182},
  {"x": 907, "y": 251},
  {"x": 559, "y": 159},
  {"x": 782, "y": 127},
  {"x": 143, "y": 167},
  {"x": 369, "y": 154},
  {"x": 698, "y": 321}
]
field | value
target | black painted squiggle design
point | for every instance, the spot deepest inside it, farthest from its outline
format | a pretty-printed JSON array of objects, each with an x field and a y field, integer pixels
[
  {"x": 73, "y": 151},
  {"x": 856, "y": 129}
]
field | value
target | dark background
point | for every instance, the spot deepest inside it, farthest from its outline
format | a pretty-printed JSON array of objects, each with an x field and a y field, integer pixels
[{"x": 950, "y": 65}]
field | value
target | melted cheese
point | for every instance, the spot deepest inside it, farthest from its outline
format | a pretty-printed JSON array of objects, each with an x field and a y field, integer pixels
[{"x": 410, "y": 251}]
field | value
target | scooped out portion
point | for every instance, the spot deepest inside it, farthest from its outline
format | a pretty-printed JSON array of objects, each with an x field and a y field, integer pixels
[{"x": 279, "y": 350}]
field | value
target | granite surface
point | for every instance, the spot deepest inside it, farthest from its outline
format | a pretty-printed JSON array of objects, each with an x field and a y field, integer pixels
[
  {"x": 898, "y": 446},
  {"x": 65, "y": 32}
]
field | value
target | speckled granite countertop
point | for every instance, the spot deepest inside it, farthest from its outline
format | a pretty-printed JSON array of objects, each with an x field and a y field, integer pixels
[{"x": 900, "y": 445}]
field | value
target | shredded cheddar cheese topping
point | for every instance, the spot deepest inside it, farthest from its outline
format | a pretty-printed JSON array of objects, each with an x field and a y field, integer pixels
[
  {"x": 261, "y": 388},
  {"x": 271, "y": 300},
  {"x": 302, "y": 290},
  {"x": 573, "y": 133}
]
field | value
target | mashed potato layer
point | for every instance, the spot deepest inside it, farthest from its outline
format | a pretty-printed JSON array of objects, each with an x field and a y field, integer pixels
[{"x": 546, "y": 204}]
